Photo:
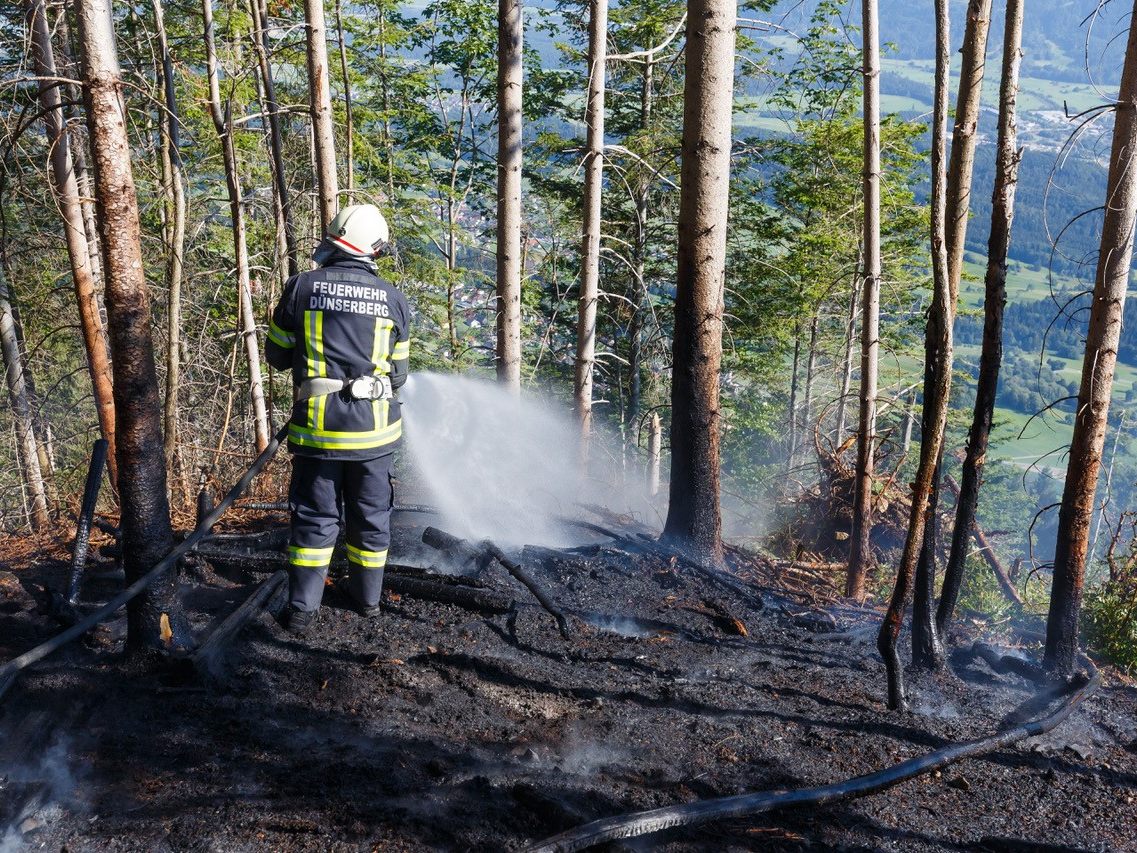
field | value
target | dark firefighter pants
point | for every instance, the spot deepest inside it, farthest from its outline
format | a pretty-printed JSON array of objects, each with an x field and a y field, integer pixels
[{"x": 323, "y": 491}]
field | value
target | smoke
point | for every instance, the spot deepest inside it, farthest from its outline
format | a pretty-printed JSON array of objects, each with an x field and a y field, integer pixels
[
  {"x": 48, "y": 786},
  {"x": 509, "y": 469}
]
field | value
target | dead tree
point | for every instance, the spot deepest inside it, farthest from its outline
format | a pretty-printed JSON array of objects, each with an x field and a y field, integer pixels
[
  {"x": 510, "y": 32},
  {"x": 222, "y": 122},
  {"x": 694, "y": 520},
  {"x": 859, "y": 552},
  {"x": 590, "y": 228},
  {"x": 15, "y": 373},
  {"x": 1111, "y": 282},
  {"x": 320, "y": 103},
  {"x": 995, "y": 283},
  {"x": 155, "y": 618},
  {"x": 67, "y": 198},
  {"x": 937, "y": 349}
]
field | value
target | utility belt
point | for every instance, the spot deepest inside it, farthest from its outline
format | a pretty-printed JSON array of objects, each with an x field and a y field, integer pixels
[{"x": 362, "y": 388}]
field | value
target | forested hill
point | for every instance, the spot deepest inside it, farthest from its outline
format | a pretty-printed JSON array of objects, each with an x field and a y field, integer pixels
[{"x": 1071, "y": 63}]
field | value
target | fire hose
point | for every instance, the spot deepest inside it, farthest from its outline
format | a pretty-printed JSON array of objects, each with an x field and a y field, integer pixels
[
  {"x": 745, "y": 805},
  {"x": 11, "y": 670}
]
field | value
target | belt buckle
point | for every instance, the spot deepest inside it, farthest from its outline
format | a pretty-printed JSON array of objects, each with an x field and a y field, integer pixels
[{"x": 362, "y": 388}]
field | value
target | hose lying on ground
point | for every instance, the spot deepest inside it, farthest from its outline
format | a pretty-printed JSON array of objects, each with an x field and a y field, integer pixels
[
  {"x": 10, "y": 670},
  {"x": 744, "y": 805}
]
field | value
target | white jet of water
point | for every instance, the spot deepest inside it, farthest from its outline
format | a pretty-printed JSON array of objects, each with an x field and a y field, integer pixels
[{"x": 509, "y": 469}]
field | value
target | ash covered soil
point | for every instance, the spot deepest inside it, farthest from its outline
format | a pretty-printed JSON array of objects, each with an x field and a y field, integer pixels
[{"x": 433, "y": 727}]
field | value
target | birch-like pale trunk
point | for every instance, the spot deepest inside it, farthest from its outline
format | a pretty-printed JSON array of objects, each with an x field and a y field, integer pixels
[
  {"x": 320, "y": 104},
  {"x": 174, "y": 181},
  {"x": 79, "y": 163},
  {"x": 937, "y": 349},
  {"x": 510, "y": 33},
  {"x": 154, "y": 618},
  {"x": 1007, "y": 158},
  {"x": 222, "y": 122},
  {"x": 259, "y": 15},
  {"x": 349, "y": 123},
  {"x": 694, "y": 517},
  {"x": 639, "y": 299},
  {"x": 31, "y": 471},
  {"x": 810, "y": 371},
  {"x": 847, "y": 363},
  {"x": 861, "y": 535},
  {"x": 590, "y": 229},
  {"x": 1111, "y": 283},
  {"x": 67, "y": 199},
  {"x": 965, "y": 135}
]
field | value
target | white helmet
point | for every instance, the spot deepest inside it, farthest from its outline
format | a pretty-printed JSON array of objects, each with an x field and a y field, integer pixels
[{"x": 359, "y": 230}]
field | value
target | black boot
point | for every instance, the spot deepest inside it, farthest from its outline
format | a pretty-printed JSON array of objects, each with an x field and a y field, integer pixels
[
  {"x": 298, "y": 622},
  {"x": 343, "y": 590}
]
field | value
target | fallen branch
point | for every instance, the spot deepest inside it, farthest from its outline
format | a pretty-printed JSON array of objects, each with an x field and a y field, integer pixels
[
  {"x": 1004, "y": 664},
  {"x": 460, "y": 595},
  {"x": 485, "y": 552},
  {"x": 10, "y": 670},
  {"x": 208, "y": 652},
  {"x": 745, "y": 805},
  {"x": 526, "y": 580}
]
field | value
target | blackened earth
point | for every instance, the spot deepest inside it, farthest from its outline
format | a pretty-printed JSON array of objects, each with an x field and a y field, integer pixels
[{"x": 432, "y": 727}]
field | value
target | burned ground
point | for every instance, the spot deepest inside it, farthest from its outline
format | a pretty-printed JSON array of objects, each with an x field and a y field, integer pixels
[{"x": 436, "y": 727}]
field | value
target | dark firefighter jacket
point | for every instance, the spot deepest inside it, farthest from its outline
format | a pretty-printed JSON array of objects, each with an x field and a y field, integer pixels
[{"x": 341, "y": 321}]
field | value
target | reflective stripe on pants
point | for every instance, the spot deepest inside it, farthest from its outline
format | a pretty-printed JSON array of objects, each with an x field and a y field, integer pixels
[{"x": 323, "y": 490}]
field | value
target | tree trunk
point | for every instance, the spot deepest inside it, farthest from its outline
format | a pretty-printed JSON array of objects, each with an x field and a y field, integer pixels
[
  {"x": 154, "y": 618},
  {"x": 1114, "y": 259},
  {"x": 847, "y": 363},
  {"x": 349, "y": 128},
  {"x": 175, "y": 250},
  {"x": 259, "y": 11},
  {"x": 510, "y": 33},
  {"x": 14, "y": 372},
  {"x": 937, "y": 351},
  {"x": 640, "y": 304},
  {"x": 859, "y": 551},
  {"x": 82, "y": 173},
  {"x": 222, "y": 123},
  {"x": 67, "y": 198},
  {"x": 990, "y": 358},
  {"x": 654, "y": 454},
  {"x": 320, "y": 102},
  {"x": 590, "y": 231},
  {"x": 694, "y": 519},
  {"x": 909, "y": 421},
  {"x": 964, "y": 136},
  {"x": 807, "y": 397},
  {"x": 791, "y": 438}
]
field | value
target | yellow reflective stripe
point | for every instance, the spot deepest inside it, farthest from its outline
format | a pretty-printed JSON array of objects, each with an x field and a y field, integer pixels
[
  {"x": 321, "y": 408},
  {"x": 314, "y": 341},
  {"x": 381, "y": 346},
  {"x": 367, "y": 559},
  {"x": 329, "y": 440},
  {"x": 280, "y": 337},
  {"x": 314, "y": 346},
  {"x": 315, "y": 558},
  {"x": 401, "y": 351}
]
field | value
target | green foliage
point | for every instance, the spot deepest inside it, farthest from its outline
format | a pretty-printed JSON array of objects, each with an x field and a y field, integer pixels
[{"x": 1109, "y": 621}]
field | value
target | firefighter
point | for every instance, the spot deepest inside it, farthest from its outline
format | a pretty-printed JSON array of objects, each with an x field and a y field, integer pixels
[{"x": 344, "y": 333}]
